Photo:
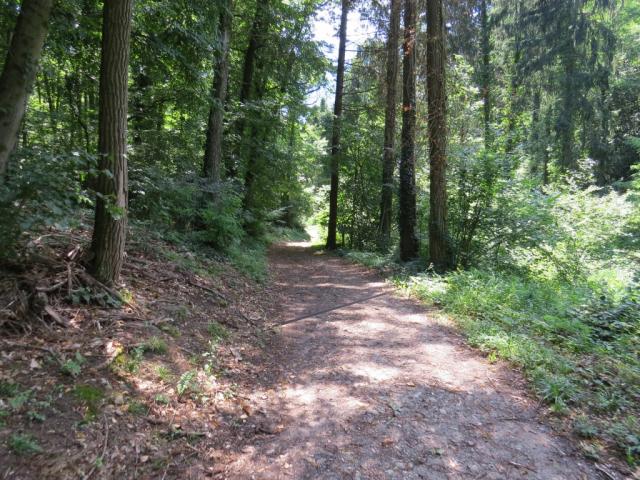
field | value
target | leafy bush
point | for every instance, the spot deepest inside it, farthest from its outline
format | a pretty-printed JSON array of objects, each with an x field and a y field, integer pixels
[{"x": 42, "y": 190}]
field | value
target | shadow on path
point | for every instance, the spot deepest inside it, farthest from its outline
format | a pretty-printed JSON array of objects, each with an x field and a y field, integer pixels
[{"x": 380, "y": 390}]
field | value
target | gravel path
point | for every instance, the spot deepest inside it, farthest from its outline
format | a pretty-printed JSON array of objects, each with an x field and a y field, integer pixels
[{"x": 379, "y": 389}]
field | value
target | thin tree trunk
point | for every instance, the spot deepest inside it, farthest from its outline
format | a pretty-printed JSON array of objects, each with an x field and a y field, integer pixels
[
  {"x": 536, "y": 125},
  {"x": 566, "y": 121},
  {"x": 19, "y": 72},
  {"x": 438, "y": 236},
  {"x": 109, "y": 234},
  {"x": 389, "y": 154},
  {"x": 248, "y": 70},
  {"x": 407, "y": 218},
  {"x": 257, "y": 136},
  {"x": 215, "y": 128},
  {"x": 485, "y": 86},
  {"x": 335, "y": 138}
]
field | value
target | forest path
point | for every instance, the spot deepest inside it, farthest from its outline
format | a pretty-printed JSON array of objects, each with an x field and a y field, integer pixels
[{"x": 380, "y": 390}]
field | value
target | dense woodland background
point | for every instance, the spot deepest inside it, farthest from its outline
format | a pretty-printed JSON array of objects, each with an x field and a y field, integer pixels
[{"x": 492, "y": 169}]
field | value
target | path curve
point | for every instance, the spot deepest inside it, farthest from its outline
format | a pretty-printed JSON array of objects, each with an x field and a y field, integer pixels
[{"x": 381, "y": 390}]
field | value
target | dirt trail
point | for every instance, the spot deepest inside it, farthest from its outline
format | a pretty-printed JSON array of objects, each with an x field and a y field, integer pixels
[{"x": 380, "y": 390}]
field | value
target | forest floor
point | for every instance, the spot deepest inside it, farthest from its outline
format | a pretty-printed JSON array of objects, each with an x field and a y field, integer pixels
[{"x": 323, "y": 372}]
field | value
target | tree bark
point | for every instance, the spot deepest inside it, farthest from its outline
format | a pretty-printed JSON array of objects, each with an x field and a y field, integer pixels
[
  {"x": 109, "y": 234},
  {"x": 335, "y": 137},
  {"x": 248, "y": 71},
  {"x": 407, "y": 218},
  {"x": 389, "y": 153},
  {"x": 436, "y": 100},
  {"x": 215, "y": 127},
  {"x": 485, "y": 86},
  {"x": 566, "y": 120},
  {"x": 19, "y": 72}
]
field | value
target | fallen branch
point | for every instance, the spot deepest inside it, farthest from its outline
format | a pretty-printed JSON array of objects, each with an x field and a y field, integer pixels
[
  {"x": 35, "y": 347},
  {"x": 605, "y": 472},
  {"x": 55, "y": 316},
  {"x": 95, "y": 282},
  {"x": 52, "y": 288},
  {"x": 526, "y": 467}
]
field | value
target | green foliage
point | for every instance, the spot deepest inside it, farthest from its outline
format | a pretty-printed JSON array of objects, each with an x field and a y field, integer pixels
[
  {"x": 73, "y": 367},
  {"x": 42, "y": 190},
  {"x": 138, "y": 408},
  {"x": 161, "y": 399},
  {"x": 187, "y": 383},
  {"x": 23, "y": 444},
  {"x": 217, "y": 332},
  {"x": 128, "y": 362},
  {"x": 164, "y": 373},
  {"x": 155, "y": 345},
  {"x": 3, "y": 415},
  {"x": 87, "y": 296},
  {"x": 91, "y": 397}
]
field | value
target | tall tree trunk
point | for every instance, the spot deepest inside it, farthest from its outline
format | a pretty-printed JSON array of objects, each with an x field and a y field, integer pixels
[
  {"x": 215, "y": 128},
  {"x": 109, "y": 234},
  {"x": 248, "y": 70},
  {"x": 19, "y": 72},
  {"x": 257, "y": 135},
  {"x": 438, "y": 235},
  {"x": 389, "y": 154},
  {"x": 407, "y": 218},
  {"x": 566, "y": 120},
  {"x": 536, "y": 128},
  {"x": 335, "y": 137},
  {"x": 485, "y": 86},
  {"x": 514, "y": 103}
]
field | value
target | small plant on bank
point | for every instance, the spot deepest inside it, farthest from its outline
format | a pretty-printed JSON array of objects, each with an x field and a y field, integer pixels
[{"x": 22, "y": 444}]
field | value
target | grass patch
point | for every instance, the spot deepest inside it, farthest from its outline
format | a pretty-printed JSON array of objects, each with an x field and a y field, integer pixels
[
  {"x": 161, "y": 399},
  {"x": 137, "y": 408},
  {"x": 217, "y": 332},
  {"x": 378, "y": 261},
  {"x": 155, "y": 345},
  {"x": 128, "y": 362},
  {"x": 250, "y": 258},
  {"x": 24, "y": 444},
  {"x": 91, "y": 397},
  {"x": 164, "y": 373}
]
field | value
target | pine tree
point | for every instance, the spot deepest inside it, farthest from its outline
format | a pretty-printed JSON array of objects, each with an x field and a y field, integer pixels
[
  {"x": 438, "y": 237},
  {"x": 407, "y": 217},
  {"x": 389, "y": 153}
]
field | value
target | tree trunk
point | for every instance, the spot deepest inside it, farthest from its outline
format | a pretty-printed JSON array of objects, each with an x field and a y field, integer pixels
[
  {"x": 19, "y": 72},
  {"x": 109, "y": 232},
  {"x": 389, "y": 154},
  {"x": 436, "y": 99},
  {"x": 566, "y": 120},
  {"x": 215, "y": 128},
  {"x": 407, "y": 201},
  {"x": 335, "y": 138},
  {"x": 248, "y": 70},
  {"x": 485, "y": 83}
]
